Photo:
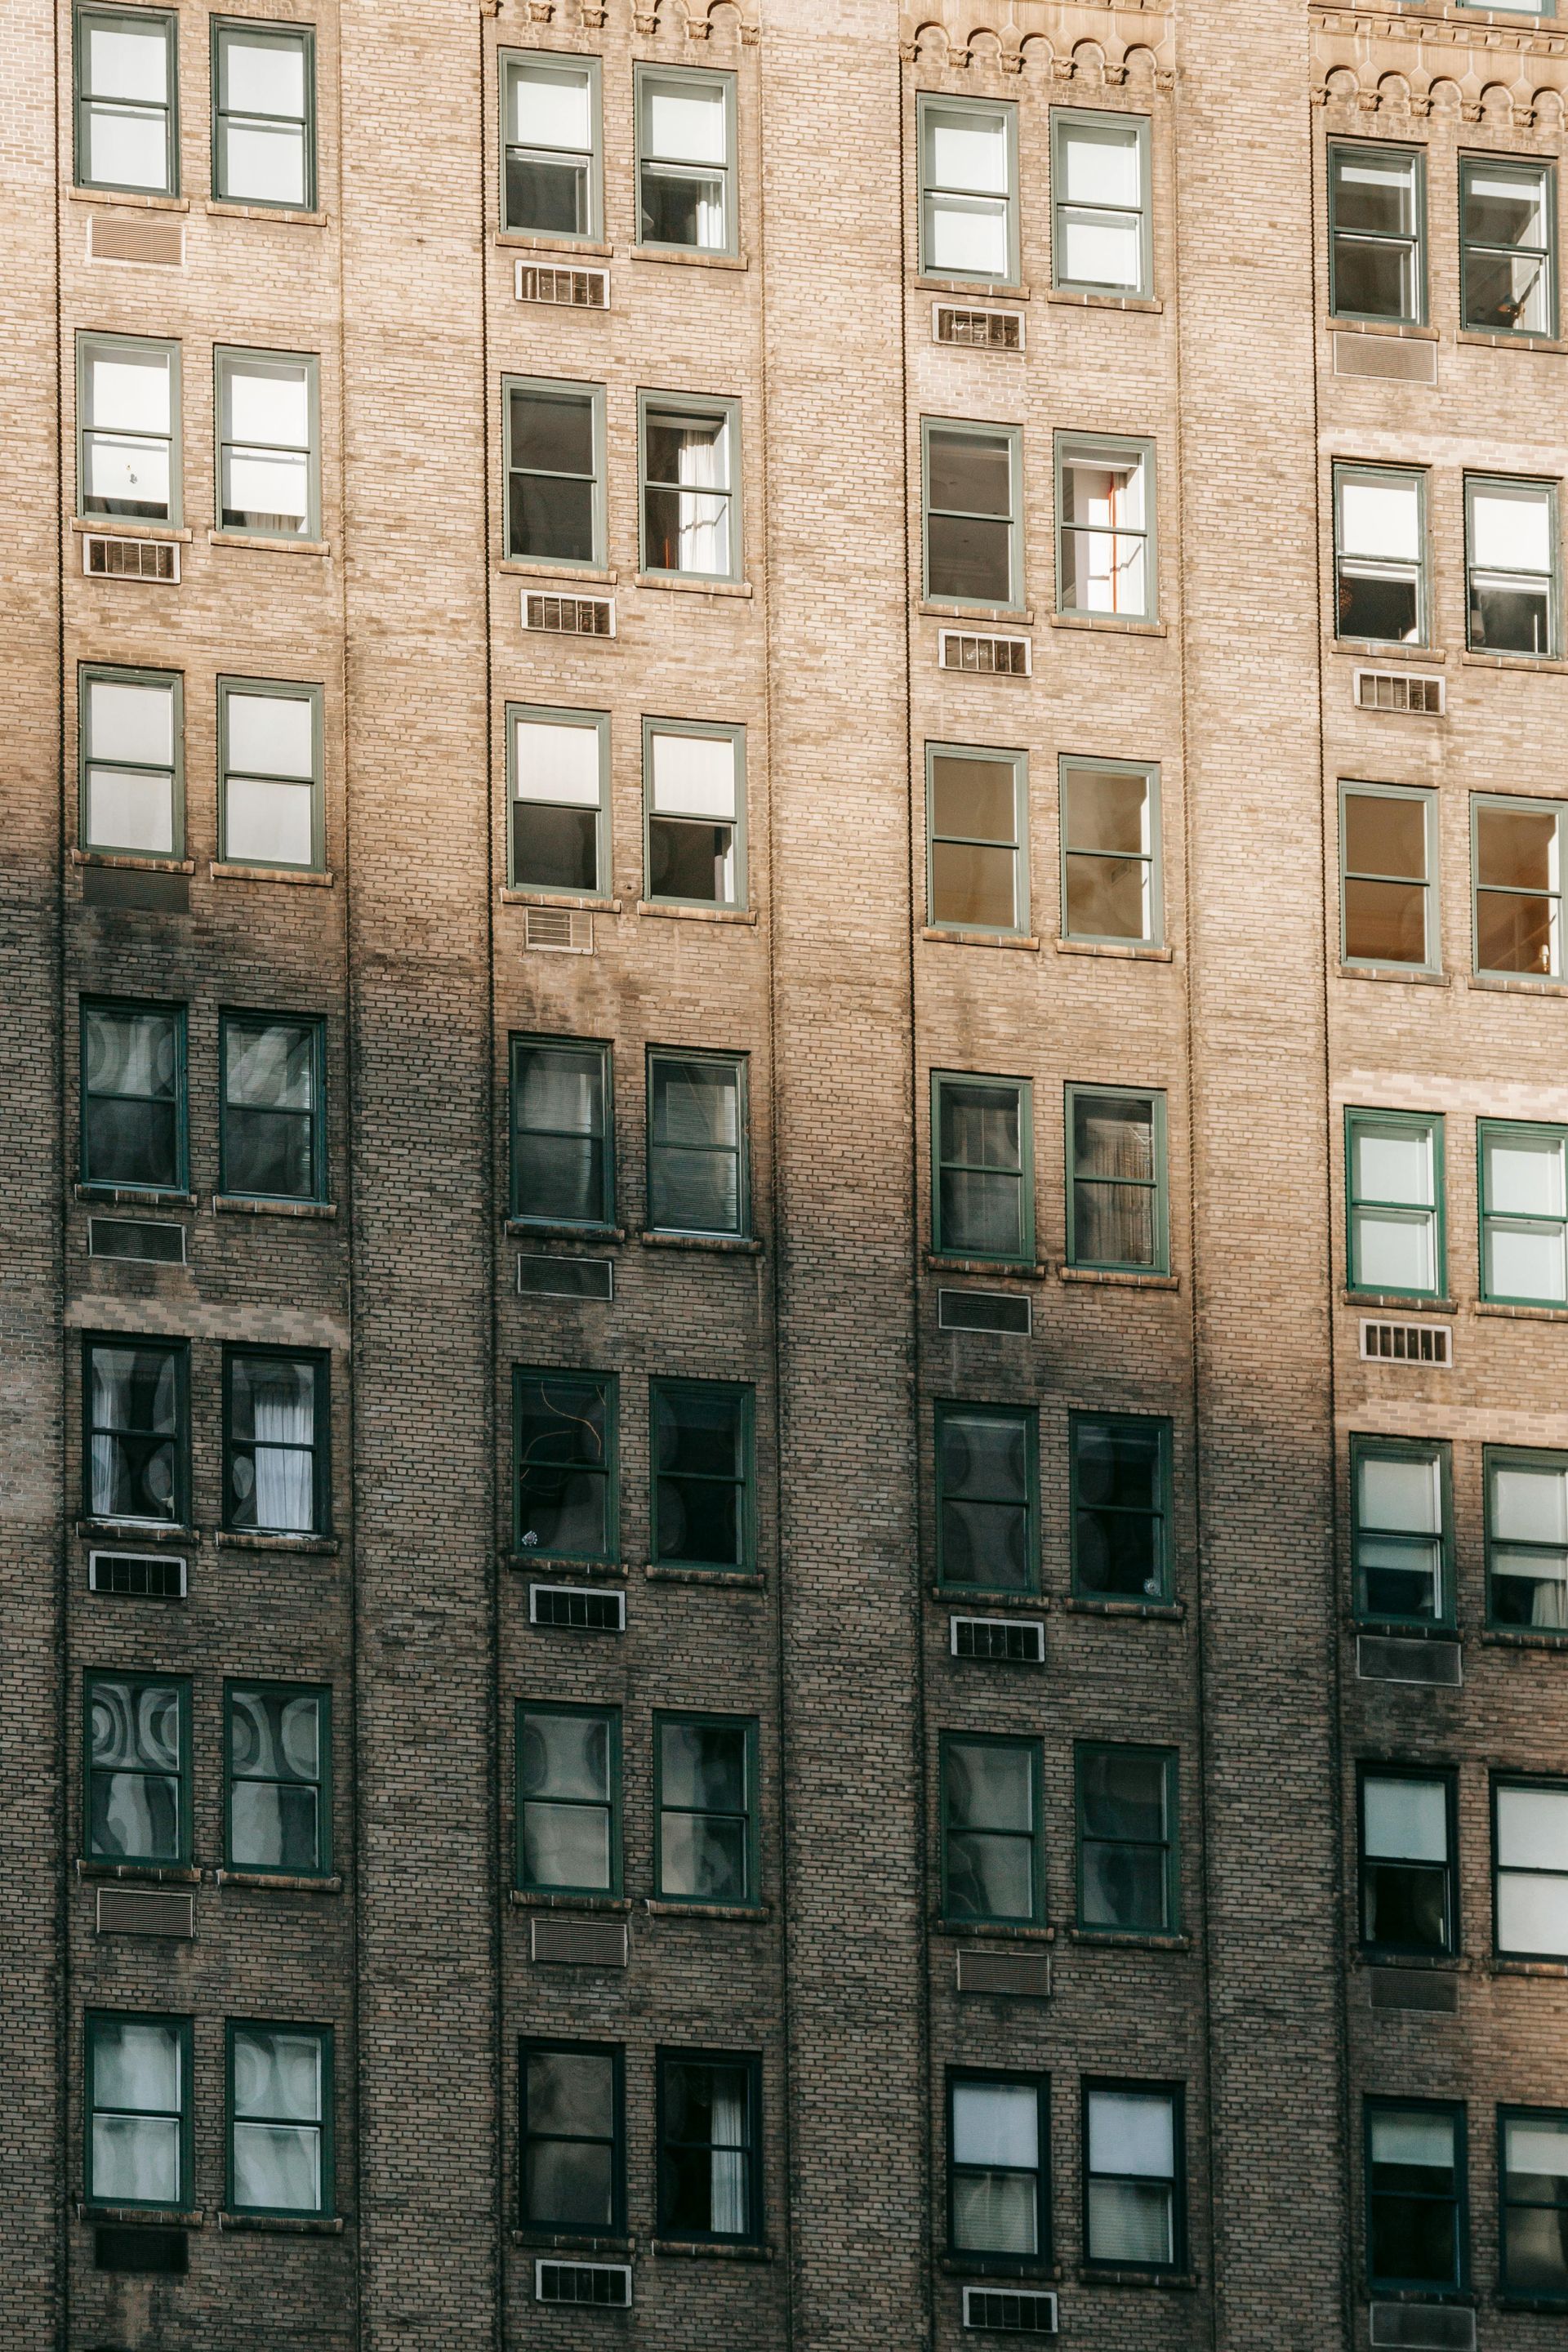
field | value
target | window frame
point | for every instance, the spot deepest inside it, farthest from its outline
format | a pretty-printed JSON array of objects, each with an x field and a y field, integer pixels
[
  {"x": 510, "y": 61},
  {"x": 128, "y": 674},
  {"x": 180, "y": 1013},
  {"x": 81, "y": 99},
  {"x": 666, "y": 2056},
  {"x": 1529, "y": 1458},
  {"x": 975, "y": 429},
  {"x": 975, "y": 2260},
  {"x": 523, "y": 1041},
  {"x": 1028, "y": 1417},
  {"x": 1018, "y": 761},
  {"x": 1434, "y": 1121},
  {"x": 91, "y": 2020},
  {"x": 1550, "y": 1783},
  {"x": 180, "y": 1350},
  {"x": 1516, "y": 166},
  {"x": 1377, "y": 2281},
  {"x": 609, "y": 1382},
  {"x": 530, "y": 2045},
  {"x": 740, "y": 1062},
  {"x": 926, "y": 101},
  {"x": 745, "y": 1391},
  {"x": 140, "y": 1866},
  {"x": 1373, "y": 1769},
  {"x": 1346, "y": 470},
  {"x": 1170, "y": 1844},
  {"x": 231, "y": 1017},
  {"x": 1080, "y": 1417},
  {"x": 1430, "y": 885},
  {"x": 1376, "y": 1446},
  {"x": 312, "y": 534},
  {"x": 646, "y": 69},
  {"x": 566, "y": 564},
  {"x": 704, "y": 407},
  {"x": 1507, "y": 2113},
  {"x": 239, "y": 1686},
  {"x": 236, "y": 1351},
  {"x": 1485, "y": 1215},
  {"x": 283, "y": 31},
  {"x": 1066, "y": 448},
  {"x": 282, "y": 691},
  {"x": 1552, "y": 486},
  {"x": 323, "y": 2036},
  {"x": 1161, "y": 1188},
  {"x": 1417, "y": 241},
  {"x": 1063, "y": 119},
  {"x": 1024, "y": 1255},
  {"x": 610, "y": 1716},
  {"x": 539, "y": 714},
  {"x": 749, "y": 1727},
  {"x": 1033, "y": 1748},
  {"x": 1176, "y": 2093},
  {"x": 1148, "y": 769},
  {"x": 89, "y": 343},
  {"x": 1530, "y": 803},
  {"x": 712, "y": 730}
]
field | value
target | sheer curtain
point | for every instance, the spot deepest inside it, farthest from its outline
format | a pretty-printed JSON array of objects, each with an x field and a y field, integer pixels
[
  {"x": 285, "y": 1429},
  {"x": 703, "y": 468},
  {"x": 136, "y": 2150},
  {"x": 728, "y": 2215},
  {"x": 277, "y": 2131}
]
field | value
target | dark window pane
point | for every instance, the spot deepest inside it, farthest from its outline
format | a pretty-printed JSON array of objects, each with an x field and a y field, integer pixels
[
  {"x": 563, "y": 1463},
  {"x": 1373, "y": 281},
  {"x": 689, "y": 860},
  {"x": 552, "y": 433},
  {"x": 683, "y": 207},
  {"x": 552, "y": 517},
  {"x": 1510, "y": 619},
  {"x": 1386, "y": 610},
  {"x": 972, "y": 800},
  {"x": 560, "y": 1148},
  {"x": 545, "y": 195},
  {"x": 969, "y": 474},
  {"x": 131, "y": 1105},
  {"x": 983, "y": 1473},
  {"x": 1106, "y": 897},
  {"x": 554, "y": 848},
  {"x": 969, "y": 559},
  {"x": 1407, "y": 1906},
  {"x": 972, "y": 886},
  {"x": 1385, "y": 836}
]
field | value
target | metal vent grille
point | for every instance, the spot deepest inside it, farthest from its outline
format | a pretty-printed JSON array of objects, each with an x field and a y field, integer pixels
[
  {"x": 984, "y": 1310},
  {"x": 1422, "y": 2326},
  {"x": 137, "y": 1575},
  {"x": 983, "y": 657},
  {"x": 1408, "y": 1343},
  {"x": 161, "y": 242},
  {"x": 991, "y": 331},
  {"x": 607, "y": 2284},
  {"x": 576, "y": 290},
  {"x": 1010, "y": 2311},
  {"x": 1399, "y": 689},
  {"x": 540, "y": 1275},
  {"x": 574, "y": 1609},
  {"x": 1007, "y": 1640},
  {"x": 130, "y": 559},
  {"x": 136, "y": 1237},
  {"x": 569, "y": 616},
  {"x": 561, "y": 928}
]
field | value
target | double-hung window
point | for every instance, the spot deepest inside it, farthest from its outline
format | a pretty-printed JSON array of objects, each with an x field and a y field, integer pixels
[
  {"x": 130, "y": 730},
  {"x": 264, "y": 114},
  {"x": 991, "y": 1863},
  {"x": 1408, "y": 1860},
  {"x": 998, "y": 2169},
  {"x": 983, "y": 1189},
  {"x": 1121, "y": 1476},
  {"x": 1105, "y": 529},
  {"x": 562, "y": 1166},
  {"x": 694, "y": 799},
  {"x": 269, "y": 454},
  {"x": 136, "y": 1428},
  {"x": 974, "y": 514},
  {"x": 1100, "y": 215},
  {"x": 696, "y": 1173},
  {"x": 1127, "y": 1875},
  {"x": 977, "y": 875},
  {"x": 1116, "y": 1211},
  {"x": 551, "y": 173},
  {"x": 1532, "y": 2181},
  {"x": 568, "y": 1799},
  {"x": 279, "y": 2119},
  {"x": 1380, "y": 554},
  {"x": 1401, "y": 1532},
  {"x": 279, "y": 1753},
  {"x": 138, "y": 2126},
  {"x": 710, "y": 2147},
  {"x": 1417, "y": 2222},
  {"x": 269, "y": 774},
  {"x": 1524, "y": 1212},
  {"x": 1530, "y": 1832},
  {"x": 686, "y": 159},
  {"x": 127, "y": 428},
  {"x": 558, "y": 777},
  {"x": 1110, "y": 852},
  {"x": 1517, "y": 853},
  {"x": 705, "y": 1809},
  {"x": 273, "y": 1132},
  {"x": 987, "y": 1497},
  {"x": 1512, "y": 565},
  {"x": 1377, "y": 229},
  {"x": 134, "y": 1129},
  {"x": 138, "y": 1768},
  {"x": 703, "y": 1475},
  {"x": 968, "y": 189},
  {"x": 275, "y": 1443},
  {"x": 127, "y": 114},
  {"x": 1508, "y": 247},
  {"x": 572, "y": 2108},
  {"x": 564, "y": 1435},
  {"x": 1395, "y": 1161},
  {"x": 1135, "y": 2177},
  {"x": 1527, "y": 1537},
  {"x": 1388, "y": 841},
  {"x": 691, "y": 486},
  {"x": 554, "y": 463}
]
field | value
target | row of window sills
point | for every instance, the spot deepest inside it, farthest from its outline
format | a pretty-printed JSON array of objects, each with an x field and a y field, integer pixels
[
  {"x": 1414, "y": 976},
  {"x": 222, "y": 1204},
  {"x": 978, "y": 293},
  {"x": 1502, "y": 1637},
  {"x": 140, "y": 1533},
  {"x": 612, "y": 2247},
  {"x": 1411, "y": 330},
  {"x": 726, "y": 1244},
  {"x": 565, "y": 579},
  {"x": 1128, "y": 950},
  {"x": 653, "y": 1906},
  {"x": 219, "y": 869},
  {"x": 300, "y": 2225},
  {"x": 139, "y": 200},
  {"x": 1037, "y": 1604},
  {"x": 1042, "y": 1269},
  {"x": 1006, "y": 617},
  {"x": 1461, "y": 1964},
  {"x": 1405, "y": 1303},
  {"x": 164, "y": 1874},
  {"x": 564, "y": 250},
  {"x": 1399, "y": 654},
  {"x": 734, "y": 1579},
  {"x": 1026, "y": 2273},
  {"x": 745, "y": 917}
]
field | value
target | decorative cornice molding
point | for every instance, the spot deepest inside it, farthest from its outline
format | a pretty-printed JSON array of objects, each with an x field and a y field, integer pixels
[
  {"x": 1378, "y": 62},
  {"x": 1097, "y": 42}
]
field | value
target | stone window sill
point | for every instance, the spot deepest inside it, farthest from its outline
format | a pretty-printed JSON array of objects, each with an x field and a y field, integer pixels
[
  {"x": 301, "y": 877},
  {"x": 1509, "y": 984},
  {"x": 150, "y": 1874},
  {"x": 692, "y": 585},
  {"x": 1107, "y": 1938},
  {"x": 243, "y": 1539},
  {"x": 269, "y": 546},
  {"x": 1379, "y": 649},
  {"x": 1409, "y": 979},
  {"x": 544, "y": 2241},
  {"x": 700, "y": 914},
  {"x": 1523, "y": 1637},
  {"x": 1503, "y": 1966},
  {"x": 994, "y": 1596},
  {"x": 524, "y": 241},
  {"x": 1011, "y": 1931},
  {"x": 952, "y": 939},
  {"x": 1511, "y": 1312},
  {"x": 296, "y": 2225},
  {"x": 510, "y": 898},
  {"x": 1111, "y": 622},
  {"x": 971, "y": 289},
  {"x": 685, "y": 258},
  {"x": 528, "y": 1898},
  {"x": 1394, "y": 1303},
  {"x": 559, "y": 1563},
  {"x": 1510, "y": 342},
  {"x": 286, "y": 1882},
  {"x": 1091, "y": 2275},
  {"x": 978, "y": 616},
  {"x": 127, "y": 863},
  {"x": 1399, "y": 329},
  {"x": 155, "y": 2217},
  {"x": 131, "y": 527},
  {"x": 524, "y": 1229},
  {"x": 1085, "y": 301},
  {"x": 1552, "y": 663},
  {"x": 129, "y": 1532},
  {"x": 559, "y": 575},
  {"x": 1435, "y": 1963},
  {"x": 1553, "y": 2305},
  {"x": 136, "y": 198},
  {"x": 1125, "y": 950},
  {"x": 1124, "y": 1278},
  {"x": 727, "y": 1244},
  {"x": 734, "y": 1579},
  {"x": 131, "y": 1196},
  {"x": 1170, "y": 1612},
  {"x": 1395, "y": 1629},
  {"x": 719, "y": 2250},
  {"x": 239, "y": 1205},
  {"x": 287, "y": 213},
  {"x": 1002, "y": 2272},
  {"x": 743, "y": 1914},
  {"x": 1006, "y": 1269}
]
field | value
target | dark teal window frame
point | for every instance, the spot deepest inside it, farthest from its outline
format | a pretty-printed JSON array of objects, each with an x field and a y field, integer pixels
[
  {"x": 712, "y": 731},
  {"x": 1431, "y": 958},
  {"x": 942, "y": 1084},
  {"x": 319, "y": 1363},
  {"x": 931, "y": 101},
  {"x": 1066, "y": 118},
  {"x": 141, "y": 19},
  {"x": 278, "y": 33},
  {"x": 225, "y": 357},
  {"x": 1152, "y": 859},
  {"x": 1174, "y": 2095},
  {"x": 92, "y": 2021},
  {"x": 1517, "y": 167},
  {"x": 749, "y": 2063},
  {"x": 1121, "y": 453},
  {"x": 1415, "y": 244},
  {"x": 749, "y": 1728},
  {"x": 646, "y": 70},
  {"x": 606, "y": 1387},
  {"x": 977, "y": 2259},
  {"x": 530, "y": 714},
  {"x": 694, "y": 408},
  {"x": 120, "y": 674},
  {"x": 1399, "y": 571},
  {"x": 550, "y": 64},
  {"x": 278, "y": 691},
  {"x": 1486, "y": 1130},
  {"x": 528, "y": 1042},
  {"x": 90, "y": 345},
  {"x": 244, "y": 1685},
  {"x": 745, "y": 1397},
  {"x": 658, "y": 1055},
  {"x": 179, "y": 1350},
  {"x": 322, "y": 2036},
  {"x": 179, "y": 1015},
  {"x": 1158, "y": 1185},
  {"x": 1168, "y": 1846},
  {"x": 1018, "y": 1744},
  {"x": 1537, "y": 1783},
  {"x": 1550, "y": 490},
  {"x": 1356, "y": 1118},
  {"x": 1026, "y": 1419},
  {"x": 1380, "y": 2281},
  {"x": 1526, "y": 1457},
  {"x": 136, "y": 1679},
  {"x": 1507, "y": 2204},
  {"x": 610, "y": 1717},
  {"x": 532, "y": 2045},
  {"x": 1439, "y": 1451},
  {"x": 1428, "y": 1775},
  {"x": 1017, "y": 762},
  {"x": 592, "y": 395},
  {"x": 974, "y": 429},
  {"x": 1161, "y": 1513},
  {"x": 231, "y": 1021},
  {"x": 1483, "y": 804}
]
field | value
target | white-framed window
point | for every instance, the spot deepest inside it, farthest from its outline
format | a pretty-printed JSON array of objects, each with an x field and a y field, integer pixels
[
  {"x": 694, "y": 783},
  {"x": 128, "y": 426},
  {"x": 269, "y": 444}
]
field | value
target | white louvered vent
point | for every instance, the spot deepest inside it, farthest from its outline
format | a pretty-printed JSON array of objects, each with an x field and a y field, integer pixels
[
  {"x": 569, "y": 616},
  {"x": 985, "y": 656},
  {"x": 137, "y": 1575},
  {"x": 103, "y": 557},
  {"x": 604, "y": 2286},
  {"x": 1005, "y": 1641},
  {"x": 1400, "y": 689},
  {"x": 577, "y": 1608},
  {"x": 989, "y": 330},
  {"x": 561, "y": 928},
  {"x": 113, "y": 238},
  {"x": 570, "y": 288},
  {"x": 1408, "y": 1343},
  {"x": 1010, "y": 2311}
]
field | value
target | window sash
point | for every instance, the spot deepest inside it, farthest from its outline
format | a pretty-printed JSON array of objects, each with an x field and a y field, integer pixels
[
  {"x": 602, "y": 1811},
  {"x": 1004, "y": 1844},
  {"x": 669, "y": 819},
  {"x": 126, "y": 442},
  {"x": 967, "y": 862},
  {"x": 95, "y": 109},
  {"x": 1538, "y": 1565},
  {"x": 1093, "y": 1195},
  {"x": 707, "y": 515},
  {"x": 175, "y": 2136},
  {"x": 1155, "y": 1515},
  {"x": 736, "y": 1827},
  {"x": 597, "y": 1483},
  {"x": 288, "y": 1489},
  {"x": 1533, "y": 2201},
  {"x": 1421, "y": 1221},
  {"x": 249, "y": 834},
  {"x": 289, "y": 468},
  {"x": 1415, "y": 1556},
  {"x": 1382, "y": 2196},
  {"x": 735, "y": 2168},
  {"x": 1114, "y": 561},
  {"x": 1079, "y": 860},
  {"x": 978, "y": 1189},
  {"x": 716, "y": 1173},
  {"x": 1538, "y": 1238},
  {"x": 976, "y": 1515},
  {"x": 1380, "y": 568},
  {"x": 1405, "y": 247},
  {"x": 1537, "y": 907},
  {"x": 1159, "y": 2195},
  {"x": 1476, "y": 252},
  {"x": 974, "y": 529},
  {"x": 137, "y": 1806},
  {"x": 715, "y": 1486},
  {"x": 711, "y": 178},
  {"x": 581, "y": 164},
  {"x": 112, "y": 1151},
  {"x": 1536, "y": 583},
  {"x": 275, "y": 1775},
  {"x": 548, "y": 2133},
  {"x": 996, "y": 2207},
  {"x": 1530, "y": 1893},
  {"x": 1067, "y": 212},
  {"x": 566, "y": 536},
  {"x": 940, "y": 204},
  {"x": 282, "y": 1142},
  {"x": 292, "y": 133},
  {"x": 1160, "y": 1850},
  {"x": 1407, "y": 1899},
  {"x": 1369, "y": 895},
  {"x": 571, "y": 1180},
  {"x": 115, "y": 1450},
  {"x": 150, "y": 792}
]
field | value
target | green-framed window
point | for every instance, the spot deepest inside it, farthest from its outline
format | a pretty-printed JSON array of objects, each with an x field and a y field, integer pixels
[
  {"x": 1120, "y": 1474},
  {"x": 1526, "y": 1537},
  {"x": 993, "y": 1859},
  {"x": 1530, "y": 1867},
  {"x": 1408, "y": 1860},
  {"x": 563, "y": 1151},
  {"x": 973, "y": 504},
  {"x": 127, "y": 101},
  {"x": 272, "y": 1132},
  {"x": 1112, "y": 886},
  {"x": 705, "y": 1809},
  {"x": 277, "y": 1753},
  {"x": 1394, "y": 1199},
  {"x": 685, "y": 158},
  {"x": 1388, "y": 876},
  {"x": 709, "y": 2145},
  {"x": 987, "y": 1497},
  {"x": 568, "y": 1799},
  {"x": 1507, "y": 246},
  {"x": 136, "y": 1431},
  {"x": 1116, "y": 1211},
  {"x": 558, "y": 796},
  {"x": 1382, "y": 590},
  {"x": 1134, "y": 2175},
  {"x": 277, "y": 1469},
  {"x": 264, "y": 114},
  {"x": 694, "y": 812},
  {"x": 137, "y": 2134},
  {"x": 1417, "y": 2220},
  {"x": 1532, "y": 2200},
  {"x": 554, "y": 457},
  {"x": 1129, "y": 1877},
  {"x": 977, "y": 866},
  {"x": 572, "y": 2126},
  {"x": 982, "y": 1174},
  {"x": 1377, "y": 232},
  {"x": 127, "y": 428},
  {"x": 1401, "y": 1533},
  {"x": 1524, "y": 1211},
  {"x": 269, "y": 444},
  {"x": 697, "y": 1174},
  {"x": 704, "y": 1474},
  {"x": 1517, "y": 861},
  {"x": 565, "y": 1497},
  {"x": 1512, "y": 566},
  {"x": 134, "y": 1129},
  {"x": 1107, "y": 556},
  {"x": 1100, "y": 208},
  {"x": 279, "y": 2118},
  {"x": 551, "y": 146},
  {"x": 998, "y": 2169},
  {"x": 689, "y": 475},
  {"x": 130, "y": 761},
  {"x": 968, "y": 188},
  {"x": 138, "y": 1768},
  {"x": 272, "y": 807}
]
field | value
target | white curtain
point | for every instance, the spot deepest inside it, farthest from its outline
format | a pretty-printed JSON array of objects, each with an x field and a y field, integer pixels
[
  {"x": 728, "y": 2215},
  {"x": 277, "y": 2131},
  {"x": 285, "y": 1423},
  {"x": 703, "y": 468}
]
